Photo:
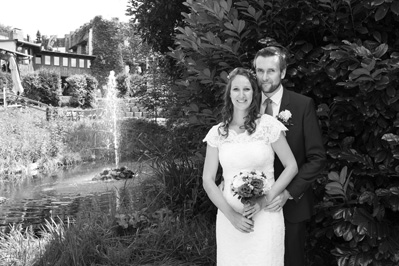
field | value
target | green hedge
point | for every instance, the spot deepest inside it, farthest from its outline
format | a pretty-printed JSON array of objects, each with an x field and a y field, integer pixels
[
  {"x": 43, "y": 85},
  {"x": 82, "y": 89},
  {"x": 343, "y": 54}
]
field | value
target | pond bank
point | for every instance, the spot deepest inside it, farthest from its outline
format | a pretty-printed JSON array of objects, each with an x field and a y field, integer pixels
[{"x": 62, "y": 193}]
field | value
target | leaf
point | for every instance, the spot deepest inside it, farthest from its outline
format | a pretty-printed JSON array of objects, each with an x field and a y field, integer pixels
[
  {"x": 381, "y": 50},
  {"x": 207, "y": 72},
  {"x": 194, "y": 107},
  {"x": 395, "y": 7},
  {"x": 251, "y": 11},
  {"x": 358, "y": 72},
  {"x": 342, "y": 175},
  {"x": 241, "y": 26},
  {"x": 307, "y": 47},
  {"x": 377, "y": 2},
  {"x": 337, "y": 55},
  {"x": 229, "y": 26},
  {"x": 377, "y": 35},
  {"x": 333, "y": 176},
  {"x": 391, "y": 91},
  {"x": 381, "y": 12}
]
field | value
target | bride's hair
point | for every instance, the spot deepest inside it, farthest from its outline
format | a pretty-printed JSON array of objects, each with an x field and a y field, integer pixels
[{"x": 228, "y": 108}]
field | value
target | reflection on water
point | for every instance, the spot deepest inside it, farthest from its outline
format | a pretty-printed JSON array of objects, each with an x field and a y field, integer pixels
[{"x": 60, "y": 194}]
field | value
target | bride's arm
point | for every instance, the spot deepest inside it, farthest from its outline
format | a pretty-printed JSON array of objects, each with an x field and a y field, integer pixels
[
  {"x": 211, "y": 165},
  {"x": 287, "y": 158}
]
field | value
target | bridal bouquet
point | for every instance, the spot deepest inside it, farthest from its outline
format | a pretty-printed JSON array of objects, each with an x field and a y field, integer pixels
[{"x": 249, "y": 185}]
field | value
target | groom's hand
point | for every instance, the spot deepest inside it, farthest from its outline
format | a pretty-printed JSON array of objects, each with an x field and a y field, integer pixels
[{"x": 278, "y": 202}]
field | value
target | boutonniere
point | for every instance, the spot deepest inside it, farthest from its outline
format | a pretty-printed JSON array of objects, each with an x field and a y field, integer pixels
[{"x": 285, "y": 117}]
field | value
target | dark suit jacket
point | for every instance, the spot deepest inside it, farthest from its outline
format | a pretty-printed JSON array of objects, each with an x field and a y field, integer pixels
[{"x": 304, "y": 138}]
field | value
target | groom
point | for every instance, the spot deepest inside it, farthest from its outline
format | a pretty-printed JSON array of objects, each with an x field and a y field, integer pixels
[{"x": 304, "y": 138}]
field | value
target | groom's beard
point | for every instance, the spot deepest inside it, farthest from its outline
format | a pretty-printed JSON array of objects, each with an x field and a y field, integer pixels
[{"x": 269, "y": 88}]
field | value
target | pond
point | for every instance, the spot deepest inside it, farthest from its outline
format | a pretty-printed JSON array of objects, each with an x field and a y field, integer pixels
[{"x": 61, "y": 194}]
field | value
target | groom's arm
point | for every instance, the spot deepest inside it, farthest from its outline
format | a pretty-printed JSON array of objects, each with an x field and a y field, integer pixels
[{"x": 315, "y": 156}]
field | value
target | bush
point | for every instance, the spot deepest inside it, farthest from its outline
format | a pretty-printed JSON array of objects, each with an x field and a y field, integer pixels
[
  {"x": 82, "y": 89},
  {"x": 122, "y": 84},
  {"x": 5, "y": 81},
  {"x": 43, "y": 85},
  {"x": 344, "y": 55},
  {"x": 26, "y": 138}
]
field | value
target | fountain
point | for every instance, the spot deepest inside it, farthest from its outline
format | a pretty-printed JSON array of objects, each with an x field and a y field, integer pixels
[
  {"x": 112, "y": 107},
  {"x": 112, "y": 111}
]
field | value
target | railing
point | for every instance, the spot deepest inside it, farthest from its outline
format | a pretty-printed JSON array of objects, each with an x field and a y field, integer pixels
[
  {"x": 23, "y": 101},
  {"x": 127, "y": 110}
]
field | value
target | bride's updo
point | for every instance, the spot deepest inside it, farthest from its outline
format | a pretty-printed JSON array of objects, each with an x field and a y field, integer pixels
[{"x": 253, "y": 111}]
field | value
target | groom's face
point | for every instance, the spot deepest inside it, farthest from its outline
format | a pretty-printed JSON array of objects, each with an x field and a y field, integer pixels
[{"x": 268, "y": 73}]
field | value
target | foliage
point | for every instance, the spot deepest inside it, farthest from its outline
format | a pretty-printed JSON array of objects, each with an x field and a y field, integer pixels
[
  {"x": 107, "y": 46},
  {"x": 137, "y": 50},
  {"x": 43, "y": 85},
  {"x": 26, "y": 138},
  {"x": 140, "y": 231},
  {"x": 5, "y": 81},
  {"x": 5, "y": 30},
  {"x": 123, "y": 84},
  {"x": 157, "y": 20},
  {"x": 141, "y": 139},
  {"x": 344, "y": 55},
  {"x": 81, "y": 88},
  {"x": 154, "y": 90},
  {"x": 20, "y": 246}
]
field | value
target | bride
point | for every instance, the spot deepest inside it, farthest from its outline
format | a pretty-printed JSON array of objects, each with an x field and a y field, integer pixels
[{"x": 245, "y": 140}]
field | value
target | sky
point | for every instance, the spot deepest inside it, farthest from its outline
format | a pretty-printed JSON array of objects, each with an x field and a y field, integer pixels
[{"x": 56, "y": 17}]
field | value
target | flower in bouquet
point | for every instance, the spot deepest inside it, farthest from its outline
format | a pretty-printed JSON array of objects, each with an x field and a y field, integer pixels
[{"x": 249, "y": 185}]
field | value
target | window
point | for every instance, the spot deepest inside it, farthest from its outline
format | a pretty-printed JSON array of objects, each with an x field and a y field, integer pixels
[
  {"x": 56, "y": 60},
  {"x": 81, "y": 63},
  {"x": 88, "y": 63},
  {"x": 73, "y": 62},
  {"x": 47, "y": 60},
  {"x": 38, "y": 60},
  {"x": 64, "y": 61}
]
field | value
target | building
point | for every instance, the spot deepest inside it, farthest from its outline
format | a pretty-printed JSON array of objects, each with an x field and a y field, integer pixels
[{"x": 32, "y": 56}]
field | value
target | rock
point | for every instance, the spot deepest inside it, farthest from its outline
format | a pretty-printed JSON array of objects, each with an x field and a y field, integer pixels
[{"x": 2, "y": 200}]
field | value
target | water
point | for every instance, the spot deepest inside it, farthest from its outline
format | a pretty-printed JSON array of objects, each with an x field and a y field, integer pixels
[{"x": 60, "y": 194}]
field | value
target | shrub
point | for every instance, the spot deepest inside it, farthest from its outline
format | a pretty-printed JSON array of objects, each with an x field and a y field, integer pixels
[
  {"x": 82, "y": 89},
  {"x": 26, "y": 138},
  {"x": 122, "y": 84},
  {"x": 344, "y": 55},
  {"x": 43, "y": 85},
  {"x": 5, "y": 81}
]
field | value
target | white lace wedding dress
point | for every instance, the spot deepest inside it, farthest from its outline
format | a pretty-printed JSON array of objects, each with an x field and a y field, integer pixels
[{"x": 237, "y": 152}]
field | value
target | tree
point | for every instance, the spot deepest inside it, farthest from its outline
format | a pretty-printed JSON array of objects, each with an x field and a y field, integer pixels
[
  {"x": 107, "y": 46},
  {"x": 5, "y": 30},
  {"x": 343, "y": 54},
  {"x": 157, "y": 21},
  {"x": 38, "y": 37}
]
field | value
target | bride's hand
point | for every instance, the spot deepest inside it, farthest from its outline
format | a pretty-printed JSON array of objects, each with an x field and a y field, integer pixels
[
  {"x": 241, "y": 223},
  {"x": 251, "y": 209}
]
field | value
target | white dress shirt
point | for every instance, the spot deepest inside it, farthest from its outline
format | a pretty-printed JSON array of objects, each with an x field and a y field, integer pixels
[{"x": 276, "y": 98}]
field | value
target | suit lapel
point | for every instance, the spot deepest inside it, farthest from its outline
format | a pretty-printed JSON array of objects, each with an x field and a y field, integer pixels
[{"x": 285, "y": 100}]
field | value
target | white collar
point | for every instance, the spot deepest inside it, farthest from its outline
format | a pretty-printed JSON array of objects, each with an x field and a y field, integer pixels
[{"x": 276, "y": 97}]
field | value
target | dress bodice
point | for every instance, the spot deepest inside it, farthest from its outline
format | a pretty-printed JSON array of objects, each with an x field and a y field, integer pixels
[{"x": 244, "y": 151}]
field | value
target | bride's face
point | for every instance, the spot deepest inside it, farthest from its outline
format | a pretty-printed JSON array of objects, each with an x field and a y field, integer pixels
[{"x": 241, "y": 92}]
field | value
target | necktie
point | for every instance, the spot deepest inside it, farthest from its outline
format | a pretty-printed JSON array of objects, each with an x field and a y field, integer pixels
[{"x": 268, "y": 106}]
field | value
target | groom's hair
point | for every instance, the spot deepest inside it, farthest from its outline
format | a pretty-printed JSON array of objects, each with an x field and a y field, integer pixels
[{"x": 272, "y": 51}]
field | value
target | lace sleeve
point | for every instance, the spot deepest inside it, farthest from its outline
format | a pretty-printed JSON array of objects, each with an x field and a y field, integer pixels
[
  {"x": 272, "y": 128},
  {"x": 213, "y": 138}
]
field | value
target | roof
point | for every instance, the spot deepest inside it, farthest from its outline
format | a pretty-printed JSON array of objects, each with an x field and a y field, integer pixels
[
  {"x": 67, "y": 54},
  {"x": 15, "y": 52},
  {"x": 28, "y": 43}
]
